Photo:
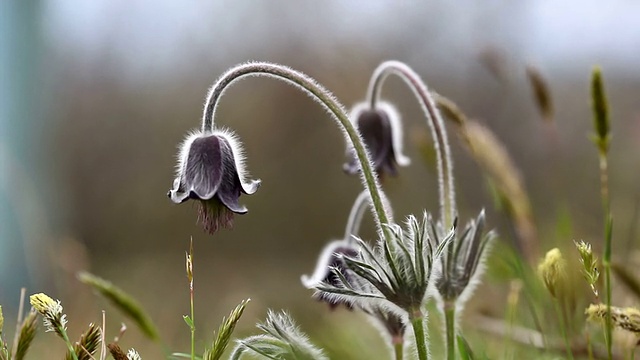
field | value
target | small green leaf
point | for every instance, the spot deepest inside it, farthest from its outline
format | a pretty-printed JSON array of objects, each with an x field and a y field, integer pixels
[
  {"x": 123, "y": 302},
  {"x": 464, "y": 349},
  {"x": 188, "y": 320},
  {"x": 177, "y": 355}
]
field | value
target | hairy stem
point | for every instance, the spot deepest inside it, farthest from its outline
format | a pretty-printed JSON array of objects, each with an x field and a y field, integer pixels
[
  {"x": 322, "y": 96},
  {"x": 450, "y": 324},
  {"x": 436, "y": 126},
  {"x": 417, "y": 319}
]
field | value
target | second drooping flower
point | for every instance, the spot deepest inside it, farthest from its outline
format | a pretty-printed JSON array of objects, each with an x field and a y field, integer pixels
[{"x": 381, "y": 129}]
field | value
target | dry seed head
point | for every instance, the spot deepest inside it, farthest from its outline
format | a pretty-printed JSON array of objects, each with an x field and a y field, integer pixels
[
  {"x": 117, "y": 352},
  {"x": 190, "y": 268},
  {"x": 26, "y": 335},
  {"x": 88, "y": 344},
  {"x": 541, "y": 93},
  {"x": 552, "y": 271},
  {"x": 624, "y": 318},
  {"x": 600, "y": 110},
  {"x": 494, "y": 159}
]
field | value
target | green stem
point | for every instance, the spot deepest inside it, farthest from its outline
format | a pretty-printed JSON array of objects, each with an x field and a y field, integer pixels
[
  {"x": 398, "y": 349},
  {"x": 450, "y": 324},
  {"x": 563, "y": 327},
  {"x": 193, "y": 326},
  {"x": 417, "y": 319},
  {"x": 606, "y": 261},
  {"x": 65, "y": 337},
  {"x": 435, "y": 123},
  {"x": 324, "y": 97}
]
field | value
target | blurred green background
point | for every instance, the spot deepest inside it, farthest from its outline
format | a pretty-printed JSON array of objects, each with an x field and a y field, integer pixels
[{"x": 96, "y": 95}]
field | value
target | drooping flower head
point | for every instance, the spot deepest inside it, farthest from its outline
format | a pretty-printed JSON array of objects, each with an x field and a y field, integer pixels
[
  {"x": 331, "y": 265},
  {"x": 211, "y": 170},
  {"x": 381, "y": 130}
]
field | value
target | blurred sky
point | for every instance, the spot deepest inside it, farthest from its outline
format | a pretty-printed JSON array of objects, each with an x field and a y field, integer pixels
[{"x": 163, "y": 36}]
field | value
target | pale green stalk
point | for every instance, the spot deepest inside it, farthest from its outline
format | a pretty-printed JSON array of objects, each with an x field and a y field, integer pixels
[
  {"x": 324, "y": 97},
  {"x": 606, "y": 258},
  {"x": 65, "y": 337},
  {"x": 417, "y": 322},
  {"x": 563, "y": 327},
  {"x": 193, "y": 330},
  {"x": 450, "y": 324},
  {"x": 602, "y": 139},
  {"x": 398, "y": 349}
]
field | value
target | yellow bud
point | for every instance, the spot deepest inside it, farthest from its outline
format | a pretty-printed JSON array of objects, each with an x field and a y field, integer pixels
[
  {"x": 42, "y": 302},
  {"x": 552, "y": 271}
]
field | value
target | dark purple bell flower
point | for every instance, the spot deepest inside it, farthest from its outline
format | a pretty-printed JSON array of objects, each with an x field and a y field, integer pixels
[
  {"x": 381, "y": 130},
  {"x": 211, "y": 170},
  {"x": 330, "y": 261}
]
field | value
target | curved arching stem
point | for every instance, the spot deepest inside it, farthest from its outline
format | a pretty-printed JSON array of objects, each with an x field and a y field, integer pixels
[
  {"x": 355, "y": 216},
  {"x": 436, "y": 125},
  {"x": 321, "y": 95}
]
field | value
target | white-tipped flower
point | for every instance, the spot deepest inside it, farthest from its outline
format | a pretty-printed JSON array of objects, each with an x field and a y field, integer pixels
[
  {"x": 330, "y": 264},
  {"x": 51, "y": 311},
  {"x": 211, "y": 170},
  {"x": 381, "y": 129},
  {"x": 132, "y": 354}
]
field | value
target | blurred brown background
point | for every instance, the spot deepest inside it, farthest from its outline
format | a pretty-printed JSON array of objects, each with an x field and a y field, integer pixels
[{"x": 96, "y": 95}]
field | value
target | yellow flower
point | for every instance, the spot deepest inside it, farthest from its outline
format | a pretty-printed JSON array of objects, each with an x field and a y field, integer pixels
[
  {"x": 51, "y": 311},
  {"x": 43, "y": 303},
  {"x": 552, "y": 271}
]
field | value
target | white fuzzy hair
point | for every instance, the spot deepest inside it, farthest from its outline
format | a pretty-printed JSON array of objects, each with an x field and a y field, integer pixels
[
  {"x": 395, "y": 120},
  {"x": 235, "y": 144}
]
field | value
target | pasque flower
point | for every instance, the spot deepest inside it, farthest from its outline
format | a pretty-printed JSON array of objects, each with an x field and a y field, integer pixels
[
  {"x": 381, "y": 130},
  {"x": 211, "y": 170},
  {"x": 331, "y": 265}
]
